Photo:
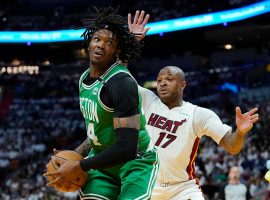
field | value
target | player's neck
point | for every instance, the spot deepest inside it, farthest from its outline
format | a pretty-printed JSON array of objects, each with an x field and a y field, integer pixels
[
  {"x": 97, "y": 70},
  {"x": 175, "y": 104}
]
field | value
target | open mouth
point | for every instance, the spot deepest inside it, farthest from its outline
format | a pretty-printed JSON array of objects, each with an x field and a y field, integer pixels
[
  {"x": 163, "y": 92},
  {"x": 98, "y": 54}
]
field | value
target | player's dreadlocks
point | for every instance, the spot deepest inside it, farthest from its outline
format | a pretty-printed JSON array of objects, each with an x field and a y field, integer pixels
[{"x": 108, "y": 18}]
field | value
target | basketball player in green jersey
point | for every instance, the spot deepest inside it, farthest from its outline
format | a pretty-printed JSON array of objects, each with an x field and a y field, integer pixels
[{"x": 122, "y": 163}]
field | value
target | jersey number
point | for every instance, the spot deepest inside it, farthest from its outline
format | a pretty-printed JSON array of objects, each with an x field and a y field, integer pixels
[
  {"x": 162, "y": 135},
  {"x": 91, "y": 134}
]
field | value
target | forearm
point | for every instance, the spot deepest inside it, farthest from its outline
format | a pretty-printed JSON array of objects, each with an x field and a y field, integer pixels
[
  {"x": 84, "y": 148},
  {"x": 126, "y": 123},
  {"x": 123, "y": 150},
  {"x": 233, "y": 142}
]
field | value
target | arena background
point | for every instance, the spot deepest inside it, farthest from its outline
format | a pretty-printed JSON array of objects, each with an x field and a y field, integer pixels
[{"x": 226, "y": 65}]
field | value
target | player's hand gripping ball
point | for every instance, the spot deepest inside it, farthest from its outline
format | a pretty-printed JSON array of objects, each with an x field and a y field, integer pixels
[{"x": 81, "y": 177}]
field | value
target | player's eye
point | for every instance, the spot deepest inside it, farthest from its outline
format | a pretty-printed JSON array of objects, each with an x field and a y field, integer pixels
[{"x": 95, "y": 39}]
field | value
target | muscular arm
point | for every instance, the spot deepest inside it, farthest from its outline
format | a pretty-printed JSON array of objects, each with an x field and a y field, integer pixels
[
  {"x": 126, "y": 124},
  {"x": 232, "y": 142},
  {"x": 208, "y": 123},
  {"x": 84, "y": 148},
  {"x": 124, "y": 149},
  {"x": 148, "y": 97}
]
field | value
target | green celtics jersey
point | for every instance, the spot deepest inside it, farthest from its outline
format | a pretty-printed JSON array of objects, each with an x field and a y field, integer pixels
[{"x": 99, "y": 118}]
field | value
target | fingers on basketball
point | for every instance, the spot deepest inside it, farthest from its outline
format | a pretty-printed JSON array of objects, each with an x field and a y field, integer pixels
[{"x": 80, "y": 177}]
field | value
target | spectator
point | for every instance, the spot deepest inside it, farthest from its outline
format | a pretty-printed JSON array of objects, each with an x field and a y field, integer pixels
[{"x": 235, "y": 190}]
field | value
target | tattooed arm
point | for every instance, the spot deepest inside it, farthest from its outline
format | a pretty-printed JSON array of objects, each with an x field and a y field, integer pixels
[
  {"x": 127, "y": 122},
  {"x": 123, "y": 91},
  {"x": 84, "y": 148},
  {"x": 233, "y": 143}
]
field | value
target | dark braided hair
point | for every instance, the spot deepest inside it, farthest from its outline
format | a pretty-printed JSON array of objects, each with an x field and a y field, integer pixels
[{"x": 107, "y": 18}]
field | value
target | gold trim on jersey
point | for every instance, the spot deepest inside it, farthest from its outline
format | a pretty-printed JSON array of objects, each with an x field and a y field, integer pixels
[
  {"x": 107, "y": 79},
  {"x": 102, "y": 104},
  {"x": 93, "y": 84}
]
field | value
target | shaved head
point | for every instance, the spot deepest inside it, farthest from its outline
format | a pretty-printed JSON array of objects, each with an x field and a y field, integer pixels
[
  {"x": 170, "y": 86},
  {"x": 174, "y": 70}
]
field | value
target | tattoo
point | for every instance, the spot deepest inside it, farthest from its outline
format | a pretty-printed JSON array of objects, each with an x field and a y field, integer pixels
[
  {"x": 84, "y": 148},
  {"x": 127, "y": 122},
  {"x": 232, "y": 142}
]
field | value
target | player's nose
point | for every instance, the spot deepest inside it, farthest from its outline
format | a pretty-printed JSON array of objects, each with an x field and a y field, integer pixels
[
  {"x": 101, "y": 44},
  {"x": 163, "y": 83}
]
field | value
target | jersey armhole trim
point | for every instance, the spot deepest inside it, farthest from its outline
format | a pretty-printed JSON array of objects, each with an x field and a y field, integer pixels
[
  {"x": 99, "y": 99},
  {"x": 193, "y": 122},
  {"x": 108, "y": 109}
]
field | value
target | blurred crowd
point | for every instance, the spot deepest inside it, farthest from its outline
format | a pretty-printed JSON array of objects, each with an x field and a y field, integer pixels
[
  {"x": 44, "y": 114},
  {"x": 170, "y": 9},
  {"x": 33, "y": 15}
]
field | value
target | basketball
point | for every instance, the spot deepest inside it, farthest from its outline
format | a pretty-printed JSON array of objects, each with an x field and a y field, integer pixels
[
  {"x": 267, "y": 176},
  {"x": 80, "y": 179}
]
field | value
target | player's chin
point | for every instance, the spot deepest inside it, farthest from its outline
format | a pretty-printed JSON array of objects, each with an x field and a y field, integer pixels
[
  {"x": 165, "y": 98},
  {"x": 164, "y": 94},
  {"x": 96, "y": 61}
]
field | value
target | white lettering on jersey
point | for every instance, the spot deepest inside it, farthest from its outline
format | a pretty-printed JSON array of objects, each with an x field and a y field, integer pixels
[
  {"x": 89, "y": 109},
  {"x": 163, "y": 123},
  {"x": 172, "y": 133},
  {"x": 167, "y": 125}
]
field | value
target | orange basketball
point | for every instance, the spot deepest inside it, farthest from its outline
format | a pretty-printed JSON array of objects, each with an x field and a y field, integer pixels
[{"x": 81, "y": 177}]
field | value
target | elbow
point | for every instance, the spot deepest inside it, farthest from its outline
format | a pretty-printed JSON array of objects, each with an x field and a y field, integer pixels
[
  {"x": 127, "y": 141},
  {"x": 233, "y": 151},
  {"x": 231, "y": 146},
  {"x": 129, "y": 154}
]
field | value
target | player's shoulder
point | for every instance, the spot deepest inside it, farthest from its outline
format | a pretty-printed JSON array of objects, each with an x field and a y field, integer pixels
[
  {"x": 204, "y": 111},
  {"x": 122, "y": 75},
  {"x": 122, "y": 79},
  {"x": 186, "y": 109},
  {"x": 187, "y": 106}
]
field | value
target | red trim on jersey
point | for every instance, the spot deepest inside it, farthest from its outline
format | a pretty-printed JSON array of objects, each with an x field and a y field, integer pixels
[{"x": 191, "y": 167}]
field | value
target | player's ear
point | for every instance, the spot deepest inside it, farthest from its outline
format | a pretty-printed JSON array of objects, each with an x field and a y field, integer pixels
[
  {"x": 183, "y": 85},
  {"x": 118, "y": 52}
]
